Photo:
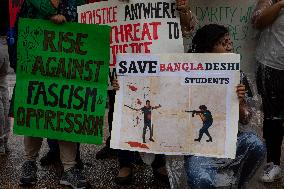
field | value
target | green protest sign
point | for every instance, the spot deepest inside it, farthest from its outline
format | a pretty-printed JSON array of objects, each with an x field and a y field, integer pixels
[{"x": 61, "y": 84}]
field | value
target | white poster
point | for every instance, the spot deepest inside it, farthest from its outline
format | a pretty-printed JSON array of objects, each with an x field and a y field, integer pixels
[
  {"x": 177, "y": 104},
  {"x": 148, "y": 26}
]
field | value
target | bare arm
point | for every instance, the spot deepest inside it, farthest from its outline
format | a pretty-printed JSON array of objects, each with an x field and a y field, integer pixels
[
  {"x": 115, "y": 84},
  {"x": 58, "y": 19},
  {"x": 244, "y": 109},
  {"x": 266, "y": 13},
  {"x": 187, "y": 19},
  {"x": 244, "y": 112}
]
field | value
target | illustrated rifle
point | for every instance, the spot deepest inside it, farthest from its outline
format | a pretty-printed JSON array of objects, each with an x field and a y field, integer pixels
[{"x": 193, "y": 112}]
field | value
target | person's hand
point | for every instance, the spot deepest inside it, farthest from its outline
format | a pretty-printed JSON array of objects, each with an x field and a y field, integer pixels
[
  {"x": 55, "y": 3},
  {"x": 115, "y": 84},
  {"x": 58, "y": 19},
  {"x": 281, "y": 3},
  {"x": 182, "y": 5},
  {"x": 241, "y": 91},
  {"x": 244, "y": 110}
]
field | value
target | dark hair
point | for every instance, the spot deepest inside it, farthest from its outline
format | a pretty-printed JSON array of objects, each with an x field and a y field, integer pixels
[
  {"x": 206, "y": 38},
  {"x": 202, "y": 107},
  {"x": 147, "y": 101}
]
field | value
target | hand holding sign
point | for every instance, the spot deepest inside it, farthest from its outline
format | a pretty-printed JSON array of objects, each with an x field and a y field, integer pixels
[
  {"x": 244, "y": 110},
  {"x": 241, "y": 91},
  {"x": 58, "y": 19},
  {"x": 115, "y": 84},
  {"x": 187, "y": 20}
]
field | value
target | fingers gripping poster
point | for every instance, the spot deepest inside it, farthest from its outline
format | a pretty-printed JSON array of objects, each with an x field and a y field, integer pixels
[
  {"x": 177, "y": 104},
  {"x": 61, "y": 80}
]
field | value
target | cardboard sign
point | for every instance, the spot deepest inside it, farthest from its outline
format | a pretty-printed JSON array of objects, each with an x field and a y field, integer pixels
[
  {"x": 150, "y": 26},
  {"x": 61, "y": 85},
  {"x": 160, "y": 106}
]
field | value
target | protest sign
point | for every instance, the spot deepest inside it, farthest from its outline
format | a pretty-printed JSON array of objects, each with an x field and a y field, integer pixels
[
  {"x": 61, "y": 81},
  {"x": 236, "y": 15},
  {"x": 150, "y": 26},
  {"x": 161, "y": 95}
]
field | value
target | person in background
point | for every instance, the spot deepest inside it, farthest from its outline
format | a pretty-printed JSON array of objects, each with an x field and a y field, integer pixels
[
  {"x": 49, "y": 10},
  {"x": 127, "y": 158},
  {"x": 268, "y": 17},
  {"x": 106, "y": 151},
  {"x": 4, "y": 69},
  {"x": 206, "y": 172},
  {"x": 68, "y": 9}
]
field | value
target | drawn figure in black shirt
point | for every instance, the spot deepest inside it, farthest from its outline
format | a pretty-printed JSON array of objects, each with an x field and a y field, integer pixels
[
  {"x": 207, "y": 120},
  {"x": 147, "y": 110}
]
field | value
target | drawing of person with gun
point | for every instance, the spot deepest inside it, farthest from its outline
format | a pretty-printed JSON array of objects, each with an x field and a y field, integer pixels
[
  {"x": 147, "y": 110},
  {"x": 207, "y": 120}
]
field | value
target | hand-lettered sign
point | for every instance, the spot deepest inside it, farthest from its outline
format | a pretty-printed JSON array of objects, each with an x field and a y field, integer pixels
[
  {"x": 148, "y": 26},
  {"x": 61, "y": 85},
  {"x": 163, "y": 105},
  {"x": 236, "y": 15}
]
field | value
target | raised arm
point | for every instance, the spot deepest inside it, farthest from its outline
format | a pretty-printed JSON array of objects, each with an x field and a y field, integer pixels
[
  {"x": 187, "y": 19},
  {"x": 156, "y": 107},
  {"x": 266, "y": 13},
  {"x": 115, "y": 84}
]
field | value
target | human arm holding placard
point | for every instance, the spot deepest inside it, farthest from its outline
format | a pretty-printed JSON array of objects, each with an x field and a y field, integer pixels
[
  {"x": 115, "y": 84},
  {"x": 187, "y": 19},
  {"x": 244, "y": 109},
  {"x": 58, "y": 19},
  {"x": 266, "y": 13}
]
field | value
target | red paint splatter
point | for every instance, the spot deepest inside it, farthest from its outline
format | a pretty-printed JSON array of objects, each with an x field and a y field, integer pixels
[
  {"x": 132, "y": 88},
  {"x": 137, "y": 145},
  {"x": 139, "y": 101}
]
